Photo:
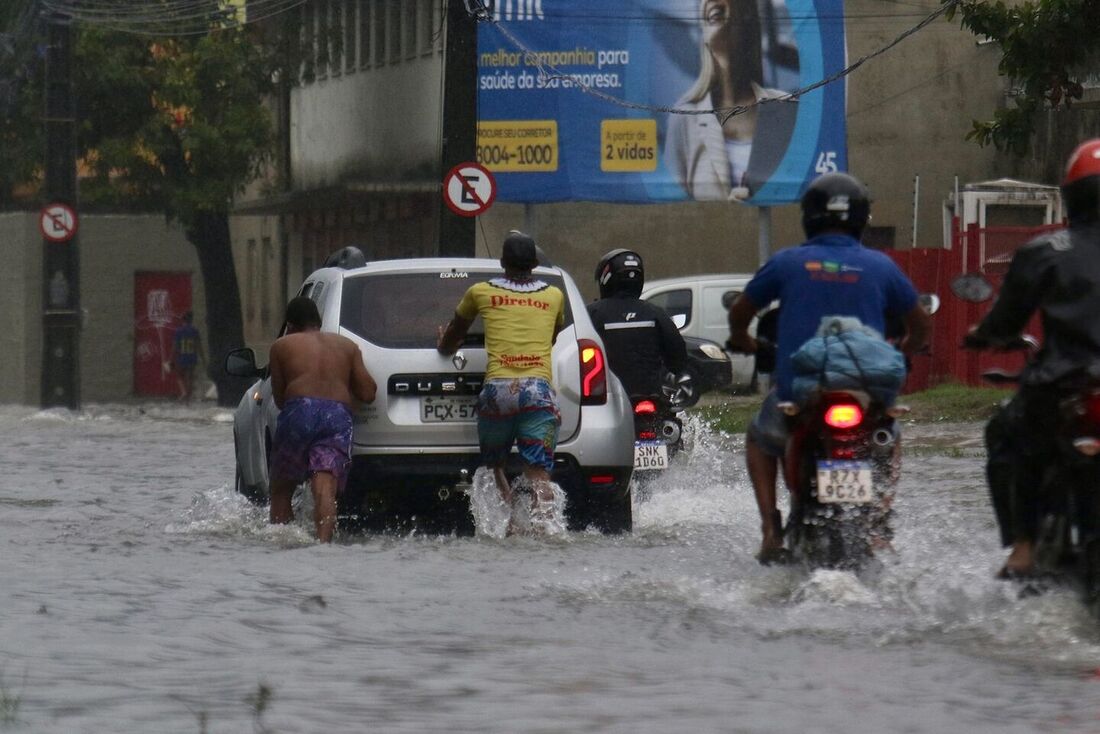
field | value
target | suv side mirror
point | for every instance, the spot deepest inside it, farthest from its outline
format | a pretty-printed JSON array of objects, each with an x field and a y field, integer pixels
[
  {"x": 972, "y": 287},
  {"x": 242, "y": 363}
]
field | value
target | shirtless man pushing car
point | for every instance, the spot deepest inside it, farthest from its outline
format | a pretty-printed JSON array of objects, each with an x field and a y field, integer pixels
[{"x": 315, "y": 377}]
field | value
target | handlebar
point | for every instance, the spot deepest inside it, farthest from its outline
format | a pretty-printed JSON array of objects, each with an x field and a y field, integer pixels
[{"x": 1021, "y": 343}]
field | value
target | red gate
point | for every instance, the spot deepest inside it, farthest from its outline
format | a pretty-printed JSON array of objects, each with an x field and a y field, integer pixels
[
  {"x": 975, "y": 250},
  {"x": 160, "y": 301}
]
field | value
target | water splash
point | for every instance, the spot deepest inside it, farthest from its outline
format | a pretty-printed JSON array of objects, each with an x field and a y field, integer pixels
[
  {"x": 834, "y": 587},
  {"x": 492, "y": 516}
]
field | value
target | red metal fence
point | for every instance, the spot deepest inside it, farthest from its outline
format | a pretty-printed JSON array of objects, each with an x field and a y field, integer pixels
[{"x": 973, "y": 250}]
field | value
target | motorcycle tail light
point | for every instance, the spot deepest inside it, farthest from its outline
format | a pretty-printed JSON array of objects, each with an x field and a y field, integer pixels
[
  {"x": 647, "y": 435},
  {"x": 593, "y": 373},
  {"x": 645, "y": 407},
  {"x": 1087, "y": 445},
  {"x": 843, "y": 415}
]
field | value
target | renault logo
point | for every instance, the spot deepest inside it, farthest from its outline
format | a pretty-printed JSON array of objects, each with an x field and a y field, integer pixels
[{"x": 459, "y": 361}]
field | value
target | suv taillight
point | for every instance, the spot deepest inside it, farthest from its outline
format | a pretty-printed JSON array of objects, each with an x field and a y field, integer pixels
[{"x": 593, "y": 373}]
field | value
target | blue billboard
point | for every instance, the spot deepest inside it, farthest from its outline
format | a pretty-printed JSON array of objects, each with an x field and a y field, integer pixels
[{"x": 630, "y": 100}]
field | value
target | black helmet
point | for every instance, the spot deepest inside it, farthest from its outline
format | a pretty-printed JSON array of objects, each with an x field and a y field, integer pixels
[
  {"x": 347, "y": 258},
  {"x": 620, "y": 271},
  {"x": 836, "y": 201}
]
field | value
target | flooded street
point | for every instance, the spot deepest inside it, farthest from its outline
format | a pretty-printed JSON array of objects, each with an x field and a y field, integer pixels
[{"x": 142, "y": 595}]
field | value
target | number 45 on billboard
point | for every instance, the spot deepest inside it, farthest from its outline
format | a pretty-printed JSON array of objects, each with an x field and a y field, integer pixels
[{"x": 826, "y": 162}]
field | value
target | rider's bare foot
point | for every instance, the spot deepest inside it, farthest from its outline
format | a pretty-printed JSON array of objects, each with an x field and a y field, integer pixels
[
  {"x": 771, "y": 545},
  {"x": 1019, "y": 563}
]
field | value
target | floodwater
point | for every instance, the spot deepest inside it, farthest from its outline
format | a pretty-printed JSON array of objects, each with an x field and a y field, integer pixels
[{"x": 141, "y": 595}]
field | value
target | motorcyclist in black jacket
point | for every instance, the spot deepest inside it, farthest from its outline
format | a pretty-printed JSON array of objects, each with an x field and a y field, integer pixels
[
  {"x": 642, "y": 343},
  {"x": 1058, "y": 275}
]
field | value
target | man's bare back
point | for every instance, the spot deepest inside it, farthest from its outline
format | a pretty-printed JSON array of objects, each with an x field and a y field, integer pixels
[{"x": 315, "y": 364}]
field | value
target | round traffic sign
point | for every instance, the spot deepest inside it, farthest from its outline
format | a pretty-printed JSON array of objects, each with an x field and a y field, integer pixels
[
  {"x": 57, "y": 222},
  {"x": 469, "y": 189}
]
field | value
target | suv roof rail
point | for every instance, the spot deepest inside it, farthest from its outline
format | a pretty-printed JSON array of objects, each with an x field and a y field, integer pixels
[{"x": 346, "y": 258}]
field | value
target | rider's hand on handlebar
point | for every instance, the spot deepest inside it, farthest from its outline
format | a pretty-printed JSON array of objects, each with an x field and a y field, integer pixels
[
  {"x": 744, "y": 345},
  {"x": 973, "y": 341}
]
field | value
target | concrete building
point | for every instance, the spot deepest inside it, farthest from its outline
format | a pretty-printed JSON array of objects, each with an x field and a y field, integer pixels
[{"x": 138, "y": 275}]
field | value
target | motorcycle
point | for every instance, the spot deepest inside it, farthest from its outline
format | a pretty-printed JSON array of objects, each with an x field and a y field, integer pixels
[
  {"x": 658, "y": 429},
  {"x": 842, "y": 463},
  {"x": 1068, "y": 540}
]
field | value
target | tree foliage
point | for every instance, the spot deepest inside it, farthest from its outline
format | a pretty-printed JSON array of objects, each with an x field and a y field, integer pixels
[
  {"x": 1048, "y": 48},
  {"x": 177, "y": 125}
]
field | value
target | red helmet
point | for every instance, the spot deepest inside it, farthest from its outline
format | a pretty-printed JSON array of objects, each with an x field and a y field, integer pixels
[{"x": 1081, "y": 185}]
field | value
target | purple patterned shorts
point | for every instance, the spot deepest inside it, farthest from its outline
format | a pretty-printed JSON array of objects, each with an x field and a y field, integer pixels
[{"x": 312, "y": 435}]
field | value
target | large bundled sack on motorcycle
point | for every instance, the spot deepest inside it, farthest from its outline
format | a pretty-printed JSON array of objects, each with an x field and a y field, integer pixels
[{"x": 847, "y": 354}]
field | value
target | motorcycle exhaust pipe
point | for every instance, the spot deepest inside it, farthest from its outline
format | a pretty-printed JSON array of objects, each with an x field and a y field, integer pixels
[
  {"x": 670, "y": 431},
  {"x": 883, "y": 438}
]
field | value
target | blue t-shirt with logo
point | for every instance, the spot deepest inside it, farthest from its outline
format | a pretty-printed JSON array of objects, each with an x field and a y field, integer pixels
[{"x": 831, "y": 275}]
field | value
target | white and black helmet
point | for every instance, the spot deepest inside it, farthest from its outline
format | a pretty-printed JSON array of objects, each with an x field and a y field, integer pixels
[
  {"x": 620, "y": 271},
  {"x": 836, "y": 201}
]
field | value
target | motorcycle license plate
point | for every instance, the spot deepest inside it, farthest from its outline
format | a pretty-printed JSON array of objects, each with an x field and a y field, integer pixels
[
  {"x": 650, "y": 455},
  {"x": 448, "y": 410},
  {"x": 844, "y": 481}
]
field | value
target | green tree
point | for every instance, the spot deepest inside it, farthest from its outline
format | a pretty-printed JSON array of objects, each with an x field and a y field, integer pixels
[
  {"x": 178, "y": 125},
  {"x": 1048, "y": 47}
]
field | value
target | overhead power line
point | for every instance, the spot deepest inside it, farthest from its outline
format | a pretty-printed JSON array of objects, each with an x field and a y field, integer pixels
[{"x": 168, "y": 17}]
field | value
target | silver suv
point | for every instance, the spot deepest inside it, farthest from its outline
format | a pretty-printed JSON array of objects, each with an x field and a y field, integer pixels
[{"x": 415, "y": 448}]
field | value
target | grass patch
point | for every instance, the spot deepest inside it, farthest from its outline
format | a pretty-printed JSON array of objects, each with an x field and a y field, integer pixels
[
  {"x": 954, "y": 403},
  {"x": 732, "y": 415},
  {"x": 947, "y": 403}
]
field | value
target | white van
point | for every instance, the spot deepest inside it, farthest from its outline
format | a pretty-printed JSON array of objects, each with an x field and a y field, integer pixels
[{"x": 698, "y": 305}]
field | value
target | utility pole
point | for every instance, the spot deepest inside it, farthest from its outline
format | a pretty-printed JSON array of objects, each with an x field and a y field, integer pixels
[
  {"x": 60, "y": 257},
  {"x": 457, "y": 233}
]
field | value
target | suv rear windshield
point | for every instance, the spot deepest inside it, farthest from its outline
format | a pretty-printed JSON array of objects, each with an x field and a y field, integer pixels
[{"x": 405, "y": 310}]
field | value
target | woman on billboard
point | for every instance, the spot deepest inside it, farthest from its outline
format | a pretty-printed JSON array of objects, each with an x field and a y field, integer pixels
[{"x": 712, "y": 155}]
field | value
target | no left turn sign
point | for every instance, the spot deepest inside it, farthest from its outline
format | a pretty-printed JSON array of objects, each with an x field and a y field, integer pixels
[
  {"x": 57, "y": 222},
  {"x": 469, "y": 189}
]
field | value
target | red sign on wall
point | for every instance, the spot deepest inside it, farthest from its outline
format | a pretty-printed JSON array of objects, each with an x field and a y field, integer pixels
[{"x": 160, "y": 301}]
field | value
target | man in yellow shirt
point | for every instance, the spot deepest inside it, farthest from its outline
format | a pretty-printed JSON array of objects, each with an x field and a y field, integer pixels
[{"x": 517, "y": 404}]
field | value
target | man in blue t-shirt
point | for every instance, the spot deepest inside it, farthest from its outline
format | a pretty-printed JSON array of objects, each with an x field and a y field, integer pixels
[
  {"x": 186, "y": 354},
  {"x": 831, "y": 274}
]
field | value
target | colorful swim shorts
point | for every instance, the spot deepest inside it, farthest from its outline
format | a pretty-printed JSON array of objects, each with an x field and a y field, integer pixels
[
  {"x": 312, "y": 435},
  {"x": 519, "y": 410}
]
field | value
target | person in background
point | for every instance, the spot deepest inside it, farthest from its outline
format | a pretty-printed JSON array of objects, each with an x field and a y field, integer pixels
[
  {"x": 517, "y": 404},
  {"x": 315, "y": 377},
  {"x": 831, "y": 274},
  {"x": 187, "y": 353}
]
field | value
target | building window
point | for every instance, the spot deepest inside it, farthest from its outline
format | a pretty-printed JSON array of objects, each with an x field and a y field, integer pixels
[
  {"x": 336, "y": 36},
  {"x": 307, "y": 40},
  {"x": 321, "y": 33},
  {"x": 351, "y": 24},
  {"x": 267, "y": 266},
  {"x": 380, "y": 9},
  {"x": 411, "y": 27},
  {"x": 394, "y": 19},
  {"x": 252, "y": 276},
  {"x": 364, "y": 32},
  {"x": 427, "y": 25}
]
